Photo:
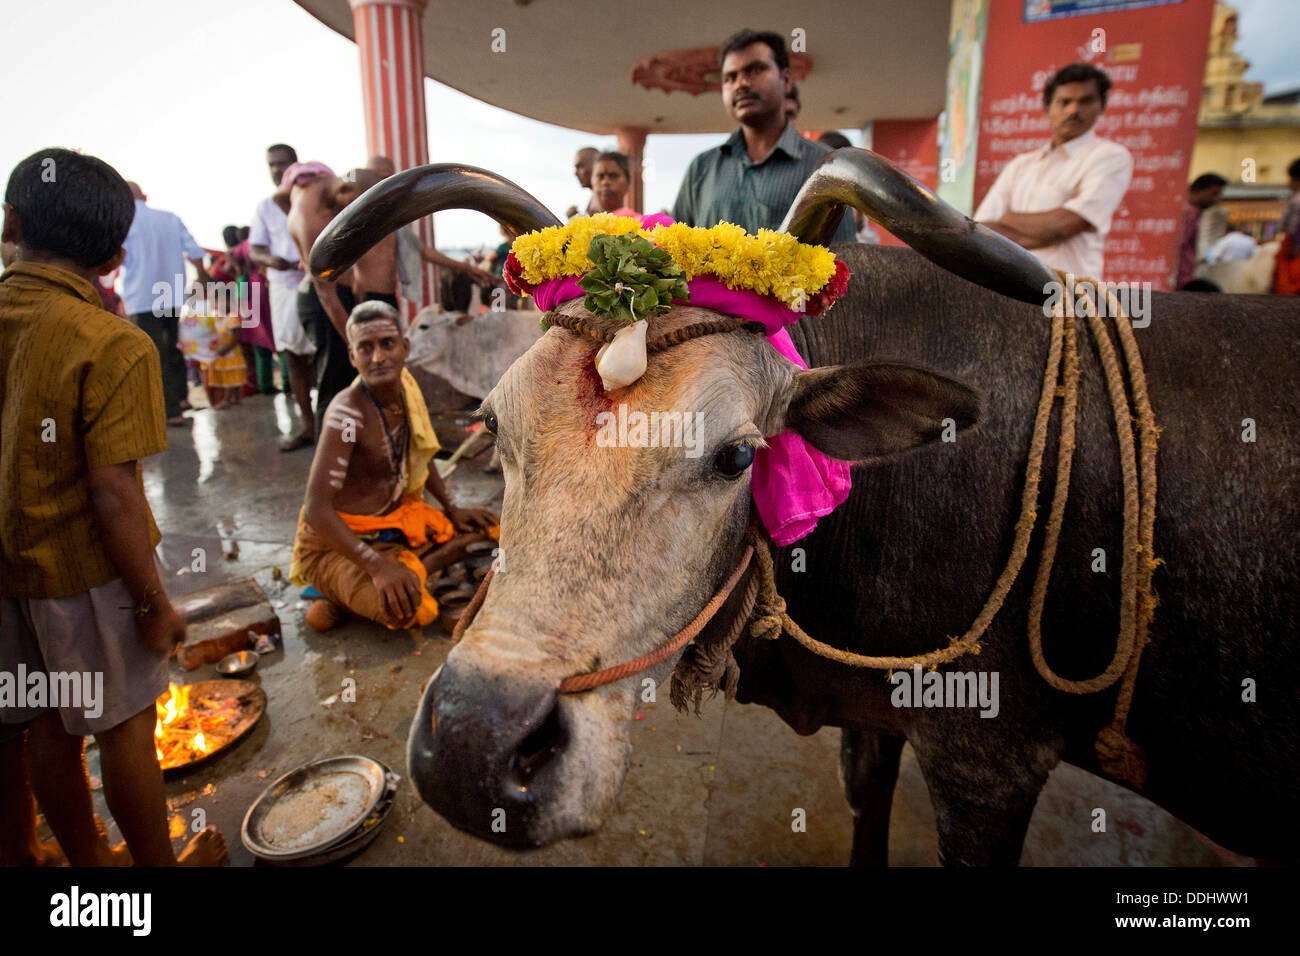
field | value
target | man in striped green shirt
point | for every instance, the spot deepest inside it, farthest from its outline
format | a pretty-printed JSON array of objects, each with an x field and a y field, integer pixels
[{"x": 753, "y": 177}]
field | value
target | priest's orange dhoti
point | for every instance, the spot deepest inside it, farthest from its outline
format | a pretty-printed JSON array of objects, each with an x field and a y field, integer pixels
[
  {"x": 349, "y": 586},
  {"x": 344, "y": 583}
]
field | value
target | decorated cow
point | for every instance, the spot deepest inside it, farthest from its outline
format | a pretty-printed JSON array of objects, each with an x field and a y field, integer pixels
[{"x": 679, "y": 501}]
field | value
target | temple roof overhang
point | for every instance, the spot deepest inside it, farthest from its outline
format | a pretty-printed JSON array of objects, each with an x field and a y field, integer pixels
[{"x": 598, "y": 66}]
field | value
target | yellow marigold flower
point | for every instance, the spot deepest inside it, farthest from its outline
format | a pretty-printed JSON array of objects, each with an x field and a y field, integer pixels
[
  {"x": 769, "y": 263},
  {"x": 536, "y": 252},
  {"x": 581, "y": 230},
  {"x": 690, "y": 248}
]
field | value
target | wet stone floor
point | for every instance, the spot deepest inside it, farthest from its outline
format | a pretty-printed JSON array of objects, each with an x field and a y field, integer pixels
[{"x": 720, "y": 789}]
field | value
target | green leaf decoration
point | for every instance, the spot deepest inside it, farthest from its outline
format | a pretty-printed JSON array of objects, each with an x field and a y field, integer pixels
[{"x": 631, "y": 279}]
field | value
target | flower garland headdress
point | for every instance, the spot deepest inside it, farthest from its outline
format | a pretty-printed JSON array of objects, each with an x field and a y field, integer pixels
[{"x": 626, "y": 269}]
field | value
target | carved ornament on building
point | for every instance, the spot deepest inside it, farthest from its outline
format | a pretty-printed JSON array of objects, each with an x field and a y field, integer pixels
[{"x": 696, "y": 71}]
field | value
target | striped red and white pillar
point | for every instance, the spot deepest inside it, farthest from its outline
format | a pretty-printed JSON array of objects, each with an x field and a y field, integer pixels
[{"x": 390, "y": 40}]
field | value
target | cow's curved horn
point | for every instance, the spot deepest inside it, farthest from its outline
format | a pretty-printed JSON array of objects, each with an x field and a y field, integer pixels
[
  {"x": 887, "y": 195},
  {"x": 415, "y": 193}
]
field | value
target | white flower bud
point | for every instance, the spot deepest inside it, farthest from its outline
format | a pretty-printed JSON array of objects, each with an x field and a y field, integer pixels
[{"x": 622, "y": 361}]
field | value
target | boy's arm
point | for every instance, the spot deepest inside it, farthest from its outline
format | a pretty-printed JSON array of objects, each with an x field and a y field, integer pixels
[
  {"x": 122, "y": 423},
  {"x": 122, "y": 515}
]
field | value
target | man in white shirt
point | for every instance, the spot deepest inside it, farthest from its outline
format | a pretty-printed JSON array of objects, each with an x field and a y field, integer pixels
[
  {"x": 153, "y": 289},
  {"x": 272, "y": 248},
  {"x": 1235, "y": 246},
  {"x": 1057, "y": 201}
]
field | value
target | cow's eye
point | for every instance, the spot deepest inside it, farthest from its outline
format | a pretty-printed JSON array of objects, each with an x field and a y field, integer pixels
[
  {"x": 731, "y": 462},
  {"x": 490, "y": 422}
]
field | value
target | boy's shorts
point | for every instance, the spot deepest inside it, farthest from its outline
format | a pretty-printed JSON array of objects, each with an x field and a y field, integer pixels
[{"x": 102, "y": 674}]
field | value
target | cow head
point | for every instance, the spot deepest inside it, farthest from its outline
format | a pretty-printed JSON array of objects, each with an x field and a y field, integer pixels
[{"x": 612, "y": 539}]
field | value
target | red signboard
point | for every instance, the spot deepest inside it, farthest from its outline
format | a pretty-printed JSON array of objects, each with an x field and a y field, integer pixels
[
  {"x": 1155, "y": 57},
  {"x": 912, "y": 145}
]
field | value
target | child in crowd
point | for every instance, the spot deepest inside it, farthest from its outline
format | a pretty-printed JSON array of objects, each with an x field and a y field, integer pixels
[
  {"x": 227, "y": 370},
  {"x": 209, "y": 333},
  {"x": 80, "y": 595}
]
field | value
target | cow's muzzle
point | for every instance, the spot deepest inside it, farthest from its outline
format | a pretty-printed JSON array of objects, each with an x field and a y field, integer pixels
[{"x": 483, "y": 752}]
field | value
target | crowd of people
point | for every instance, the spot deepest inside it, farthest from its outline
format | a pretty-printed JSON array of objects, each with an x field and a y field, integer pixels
[
  {"x": 90, "y": 383},
  {"x": 1208, "y": 238},
  {"x": 252, "y": 306}
]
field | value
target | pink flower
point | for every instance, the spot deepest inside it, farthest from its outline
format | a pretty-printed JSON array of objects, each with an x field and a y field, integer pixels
[
  {"x": 514, "y": 276},
  {"x": 836, "y": 287},
  {"x": 648, "y": 222}
]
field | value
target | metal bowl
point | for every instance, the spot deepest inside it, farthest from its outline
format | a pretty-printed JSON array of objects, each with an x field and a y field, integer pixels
[
  {"x": 237, "y": 664},
  {"x": 359, "y": 784}
]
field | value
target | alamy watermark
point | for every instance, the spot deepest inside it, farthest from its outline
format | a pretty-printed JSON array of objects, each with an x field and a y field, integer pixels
[
  {"x": 222, "y": 298},
  {"x": 1134, "y": 298},
  {"x": 75, "y": 690},
  {"x": 76, "y": 909},
  {"x": 921, "y": 688},
  {"x": 636, "y": 429}
]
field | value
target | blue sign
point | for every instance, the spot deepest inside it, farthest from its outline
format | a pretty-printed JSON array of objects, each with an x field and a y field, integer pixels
[{"x": 1036, "y": 11}]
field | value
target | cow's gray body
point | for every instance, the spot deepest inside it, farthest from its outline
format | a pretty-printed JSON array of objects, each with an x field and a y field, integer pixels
[{"x": 911, "y": 557}]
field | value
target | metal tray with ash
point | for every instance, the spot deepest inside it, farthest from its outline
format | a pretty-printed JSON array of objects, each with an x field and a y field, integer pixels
[{"x": 322, "y": 812}]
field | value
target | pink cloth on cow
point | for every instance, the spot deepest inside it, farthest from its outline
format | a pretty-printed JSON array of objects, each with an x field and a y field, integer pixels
[{"x": 794, "y": 484}]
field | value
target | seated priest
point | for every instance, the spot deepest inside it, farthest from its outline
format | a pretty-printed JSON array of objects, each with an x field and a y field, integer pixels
[{"x": 367, "y": 540}]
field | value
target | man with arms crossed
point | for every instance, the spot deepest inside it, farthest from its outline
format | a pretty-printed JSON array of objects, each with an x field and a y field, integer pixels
[{"x": 1057, "y": 201}]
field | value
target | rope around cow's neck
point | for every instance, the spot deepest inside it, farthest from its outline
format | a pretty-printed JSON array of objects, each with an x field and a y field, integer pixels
[
  {"x": 1119, "y": 756},
  {"x": 593, "y": 679}
]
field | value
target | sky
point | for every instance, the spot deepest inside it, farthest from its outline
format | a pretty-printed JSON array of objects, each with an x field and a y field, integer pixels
[
  {"x": 1268, "y": 35},
  {"x": 186, "y": 105}
]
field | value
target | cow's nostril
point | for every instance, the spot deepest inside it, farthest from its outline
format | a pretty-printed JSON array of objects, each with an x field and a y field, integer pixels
[{"x": 536, "y": 750}]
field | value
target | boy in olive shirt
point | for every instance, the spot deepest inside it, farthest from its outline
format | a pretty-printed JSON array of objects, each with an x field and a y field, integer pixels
[{"x": 80, "y": 598}]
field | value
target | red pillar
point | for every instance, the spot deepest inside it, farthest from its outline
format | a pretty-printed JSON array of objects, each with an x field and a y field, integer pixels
[
  {"x": 631, "y": 143},
  {"x": 390, "y": 40}
]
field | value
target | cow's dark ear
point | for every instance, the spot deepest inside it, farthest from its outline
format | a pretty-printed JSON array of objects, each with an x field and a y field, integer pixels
[{"x": 871, "y": 409}]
